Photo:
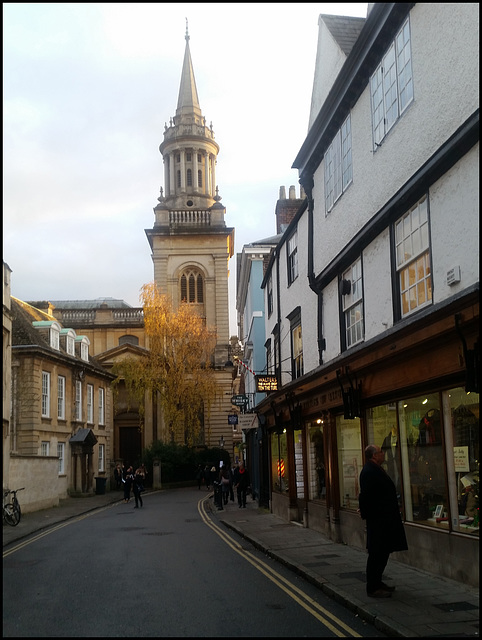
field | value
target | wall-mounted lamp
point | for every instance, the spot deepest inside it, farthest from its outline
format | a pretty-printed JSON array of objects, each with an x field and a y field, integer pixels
[
  {"x": 344, "y": 287},
  {"x": 221, "y": 442},
  {"x": 351, "y": 397}
]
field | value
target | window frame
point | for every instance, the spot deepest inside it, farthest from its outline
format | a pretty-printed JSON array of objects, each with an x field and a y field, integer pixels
[
  {"x": 338, "y": 165},
  {"x": 101, "y": 406},
  {"x": 101, "y": 458},
  {"x": 90, "y": 403},
  {"x": 61, "y": 387},
  {"x": 391, "y": 85},
  {"x": 78, "y": 400},
  {"x": 419, "y": 257},
  {"x": 61, "y": 457},
  {"x": 296, "y": 344},
  {"x": 352, "y": 302},
  {"x": 45, "y": 399},
  {"x": 292, "y": 257}
]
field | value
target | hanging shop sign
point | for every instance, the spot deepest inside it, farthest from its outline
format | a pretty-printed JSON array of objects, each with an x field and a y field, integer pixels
[{"x": 266, "y": 383}]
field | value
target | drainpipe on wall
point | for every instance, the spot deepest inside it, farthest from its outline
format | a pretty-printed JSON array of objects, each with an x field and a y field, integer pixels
[{"x": 307, "y": 184}]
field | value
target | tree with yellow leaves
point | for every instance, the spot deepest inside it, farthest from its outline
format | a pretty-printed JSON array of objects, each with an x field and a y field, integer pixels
[{"x": 178, "y": 366}]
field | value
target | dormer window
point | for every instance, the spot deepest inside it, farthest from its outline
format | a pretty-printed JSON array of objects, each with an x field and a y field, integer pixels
[
  {"x": 82, "y": 347},
  {"x": 50, "y": 330},
  {"x": 67, "y": 341}
]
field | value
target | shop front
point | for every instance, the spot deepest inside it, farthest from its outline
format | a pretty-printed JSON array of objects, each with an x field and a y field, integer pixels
[{"x": 416, "y": 398}]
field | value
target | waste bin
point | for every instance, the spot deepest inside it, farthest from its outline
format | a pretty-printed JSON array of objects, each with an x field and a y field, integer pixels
[{"x": 100, "y": 486}]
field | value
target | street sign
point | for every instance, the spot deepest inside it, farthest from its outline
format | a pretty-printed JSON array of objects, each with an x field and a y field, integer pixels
[
  {"x": 240, "y": 400},
  {"x": 248, "y": 421},
  {"x": 233, "y": 418}
]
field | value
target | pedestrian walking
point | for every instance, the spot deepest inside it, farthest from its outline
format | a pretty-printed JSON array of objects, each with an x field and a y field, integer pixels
[
  {"x": 138, "y": 486},
  {"x": 378, "y": 505},
  {"x": 225, "y": 482},
  {"x": 232, "y": 471},
  {"x": 118, "y": 477},
  {"x": 241, "y": 482},
  {"x": 127, "y": 481},
  {"x": 207, "y": 477}
]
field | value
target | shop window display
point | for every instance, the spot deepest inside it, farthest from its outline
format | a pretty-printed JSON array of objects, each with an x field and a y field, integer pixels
[
  {"x": 279, "y": 462},
  {"x": 382, "y": 424},
  {"x": 350, "y": 460},
  {"x": 463, "y": 409},
  {"x": 422, "y": 457},
  {"x": 316, "y": 461},
  {"x": 300, "y": 485}
]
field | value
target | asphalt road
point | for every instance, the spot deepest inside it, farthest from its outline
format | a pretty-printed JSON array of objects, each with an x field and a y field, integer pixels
[{"x": 165, "y": 570}]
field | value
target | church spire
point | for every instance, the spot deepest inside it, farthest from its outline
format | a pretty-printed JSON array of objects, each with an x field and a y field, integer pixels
[{"x": 188, "y": 102}]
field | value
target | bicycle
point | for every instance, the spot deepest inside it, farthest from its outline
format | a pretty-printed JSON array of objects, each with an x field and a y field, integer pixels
[{"x": 11, "y": 510}]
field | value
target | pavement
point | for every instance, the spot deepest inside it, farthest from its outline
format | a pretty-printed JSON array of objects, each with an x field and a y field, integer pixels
[{"x": 423, "y": 605}]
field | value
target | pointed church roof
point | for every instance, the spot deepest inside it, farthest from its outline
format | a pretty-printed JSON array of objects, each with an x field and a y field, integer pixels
[{"x": 188, "y": 101}]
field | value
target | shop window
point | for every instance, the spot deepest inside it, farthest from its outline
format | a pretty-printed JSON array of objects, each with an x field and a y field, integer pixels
[
  {"x": 422, "y": 458},
  {"x": 382, "y": 426},
  {"x": 279, "y": 462},
  {"x": 464, "y": 422},
  {"x": 299, "y": 477},
  {"x": 350, "y": 460},
  {"x": 316, "y": 461}
]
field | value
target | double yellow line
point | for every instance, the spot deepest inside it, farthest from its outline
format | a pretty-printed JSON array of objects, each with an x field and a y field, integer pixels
[{"x": 311, "y": 606}]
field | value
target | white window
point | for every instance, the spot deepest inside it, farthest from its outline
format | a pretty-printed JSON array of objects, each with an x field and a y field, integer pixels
[
  {"x": 413, "y": 258},
  {"x": 391, "y": 86},
  {"x": 338, "y": 165},
  {"x": 101, "y": 406},
  {"x": 70, "y": 345},
  {"x": 292, "y": 248},
  {"x": 55, "y": 336},
  {"x": 45, "y": 394},
  {"x": 61, "y": 457},
  {"x": 101, "y": 457},
  {"x": 269, "y": 295},
  {"x": 78, "y": 400},
  {"x": 83, "y": 349},
  {"x": 61, "y": 398},
  {"x": 90, "y": 403},
  {"x": 45, "y": 448},
  {"x": 352, "y": 298}
]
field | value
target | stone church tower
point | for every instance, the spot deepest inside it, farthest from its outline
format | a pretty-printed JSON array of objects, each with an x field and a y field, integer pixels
[{"x": 190, "y": 242}]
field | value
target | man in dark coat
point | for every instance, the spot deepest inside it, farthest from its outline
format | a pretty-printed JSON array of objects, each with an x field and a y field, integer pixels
[{"x": 379, "y": 507}]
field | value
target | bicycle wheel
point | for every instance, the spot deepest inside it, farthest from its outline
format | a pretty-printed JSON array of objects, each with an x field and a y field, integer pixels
[
  {"x": 16, "y": 507},
  {"x": 11, "y": 515}
]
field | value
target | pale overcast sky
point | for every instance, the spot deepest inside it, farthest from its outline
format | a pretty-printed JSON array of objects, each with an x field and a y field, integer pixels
[{"x": 87, "y": 90}]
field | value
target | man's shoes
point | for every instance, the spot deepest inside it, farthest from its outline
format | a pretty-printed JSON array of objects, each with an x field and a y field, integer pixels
[
  {"x": 385, "y": 587},
  {"x": 379, "y": 593}
]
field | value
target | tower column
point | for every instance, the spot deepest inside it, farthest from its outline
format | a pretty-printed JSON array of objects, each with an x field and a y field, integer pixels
[
  {"x": 206, "y": 173},
  {"x": 213, "y": 175},
  {"x": 172, "y": 175},
  {"x": 183, "y": 170},
  {"x": 194, "y": 169},
  {"x": 166, "y": 175}
]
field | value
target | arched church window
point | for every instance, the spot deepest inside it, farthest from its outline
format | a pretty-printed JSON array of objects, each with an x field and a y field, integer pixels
[
  {"x": 189, "y": 178},
  {"x": 192, "y": 287},
  {"x": 199, "y": 178}
]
